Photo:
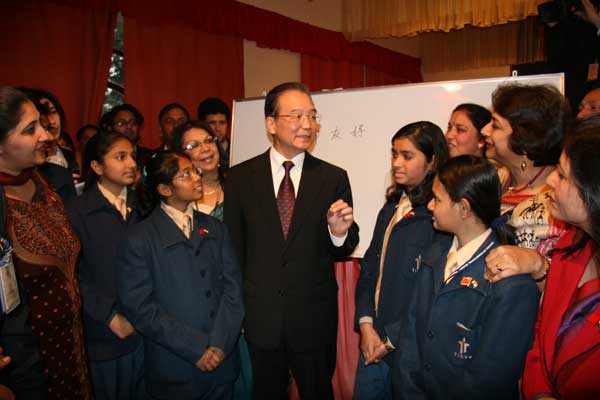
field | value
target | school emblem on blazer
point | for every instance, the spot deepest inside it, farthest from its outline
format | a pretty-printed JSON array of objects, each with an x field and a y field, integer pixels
[{"x": 463, "y": 349}]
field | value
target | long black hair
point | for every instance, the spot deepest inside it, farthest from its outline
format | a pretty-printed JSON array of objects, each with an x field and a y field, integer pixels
[
  {"x": 11, "y": 109},
  {"x": 161, "y": 168},
  {"x": 582, "y": 147},
  {"x": 429, "y": 139},
  {"x": 95, "y": 150},
  {"x": 475, "y": 179}
]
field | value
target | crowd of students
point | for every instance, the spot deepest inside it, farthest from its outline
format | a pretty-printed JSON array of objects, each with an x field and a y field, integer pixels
[{"x": 135, "y": 288}]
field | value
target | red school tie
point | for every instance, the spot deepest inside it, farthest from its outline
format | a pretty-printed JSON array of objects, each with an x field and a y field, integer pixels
[{"x": 286, "y": 199}]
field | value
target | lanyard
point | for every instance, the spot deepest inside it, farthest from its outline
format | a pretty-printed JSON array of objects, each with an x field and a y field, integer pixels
[{"x": 471, "y": 261}]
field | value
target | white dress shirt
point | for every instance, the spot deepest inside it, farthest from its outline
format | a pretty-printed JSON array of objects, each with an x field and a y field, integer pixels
[
  {"x": 119, "y": 202},
  {"x": 278, "y": 172},
  {"x": 466, "y": 252}
]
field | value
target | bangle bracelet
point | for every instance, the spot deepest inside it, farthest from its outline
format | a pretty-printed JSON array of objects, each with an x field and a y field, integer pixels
[{"x": 545, "y": 274}]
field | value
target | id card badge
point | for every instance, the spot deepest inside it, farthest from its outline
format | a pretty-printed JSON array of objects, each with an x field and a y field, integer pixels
[
  {"x": 9, "y": 291},
  {"x": 592, "y": 72}
]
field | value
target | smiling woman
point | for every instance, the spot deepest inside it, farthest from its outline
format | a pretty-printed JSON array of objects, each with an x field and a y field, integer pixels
[
  {"x": 45, "y": 247},
  {"x": 525, "y": 135},
  {"x": 464, "y": 130},
  {"x": 199, "y": 142},
  {"x": 565, "y": 349}
]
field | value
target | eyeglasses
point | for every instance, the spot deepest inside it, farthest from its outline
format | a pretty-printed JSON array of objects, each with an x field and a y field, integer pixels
[
  {"x": 194, "y": 143},
  {"x": 187, "y": 173},
  {"x": 131, "y": 123},
  {"x": 297, "y": 117}
]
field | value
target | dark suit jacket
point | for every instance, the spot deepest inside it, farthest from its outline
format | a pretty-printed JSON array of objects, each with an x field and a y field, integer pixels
[
  {"x": 182, "y": 295},
  {"x": 466, "y": 339},
  {"x": 290, "y": 289},
  {"x": 100, "y": 228}
]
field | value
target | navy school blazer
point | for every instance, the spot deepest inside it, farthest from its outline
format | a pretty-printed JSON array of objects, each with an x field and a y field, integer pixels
[
  {"x": 100, "y": 228},
  {"x": 467, "y": 339},
  {"x": 409, "y": 240},
  {"x": 183, "y": 295}
]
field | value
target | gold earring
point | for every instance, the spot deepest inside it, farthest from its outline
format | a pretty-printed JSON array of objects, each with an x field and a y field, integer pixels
[{"x": 523, "y": 166}]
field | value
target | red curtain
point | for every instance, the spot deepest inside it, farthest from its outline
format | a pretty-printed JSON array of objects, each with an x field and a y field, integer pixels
[
  {"x": 375, "y": 77},
  {"x": 61, "y": 48},
  {"x": 167, "y": 62},
  {"x": 321, "y": 73},
  {"x": 348, "y": 339},
  {"x": 272, "y": 30}
]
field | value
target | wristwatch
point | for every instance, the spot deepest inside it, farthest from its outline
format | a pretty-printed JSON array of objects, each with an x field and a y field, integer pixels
[{"x": 387, "y": 344}]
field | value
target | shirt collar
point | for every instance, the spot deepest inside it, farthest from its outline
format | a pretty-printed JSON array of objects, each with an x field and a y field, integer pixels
[
  {"x": 467, "y": 252},
  {"x": 111, "y": 197},
  {"x": 177, "y": 216},
  {"x": 277, "y": 160}
]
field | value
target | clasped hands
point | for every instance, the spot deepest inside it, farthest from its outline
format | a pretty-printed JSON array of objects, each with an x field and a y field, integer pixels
[
  {"x": 211, "y": 359},
  {"x": 340, "y": 218}
]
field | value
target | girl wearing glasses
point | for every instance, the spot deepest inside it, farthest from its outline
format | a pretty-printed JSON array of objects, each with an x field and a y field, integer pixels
[
  {"x": 101, "y": 217},
  {"x": 200, "y": 143},
  {"x": 179, "y": 284}
]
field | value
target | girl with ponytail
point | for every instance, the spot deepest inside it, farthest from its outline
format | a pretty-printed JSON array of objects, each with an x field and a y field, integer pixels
[{"x": 465, "y": 337}]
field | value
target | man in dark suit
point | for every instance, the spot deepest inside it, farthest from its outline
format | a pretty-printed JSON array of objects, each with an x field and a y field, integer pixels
[{"x": 288, "y": 222}]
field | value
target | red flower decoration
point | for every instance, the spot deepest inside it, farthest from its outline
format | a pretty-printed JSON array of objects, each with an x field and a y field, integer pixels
[{"x": 202, "y": 231}]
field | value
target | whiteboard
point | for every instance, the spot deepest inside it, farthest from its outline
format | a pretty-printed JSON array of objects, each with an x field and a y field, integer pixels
[{"x": 358, "y": 124}]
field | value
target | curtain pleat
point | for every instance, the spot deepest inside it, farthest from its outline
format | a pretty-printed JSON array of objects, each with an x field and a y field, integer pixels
[
  {"x": 472, "y": 47},
  {"x": 62, "y": 48},
  {"x": 166, "y": 62},
  {"x": 395, "y": 18}
]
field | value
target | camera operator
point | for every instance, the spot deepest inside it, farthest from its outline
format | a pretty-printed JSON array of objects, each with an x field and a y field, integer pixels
[{"x": 572, "y": 42}]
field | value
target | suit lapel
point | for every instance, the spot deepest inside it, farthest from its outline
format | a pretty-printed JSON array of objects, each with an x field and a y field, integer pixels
[
  {"x": 435, "y": 259},
  {"x": 473, "y": 272},
  {"x": 262, "y": 186},
  {"x": 168, "y": 231},
  {"x": 310, "y": 187}
]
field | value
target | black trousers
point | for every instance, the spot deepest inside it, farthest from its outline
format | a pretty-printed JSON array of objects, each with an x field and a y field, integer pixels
[{"x": 312, "y": 370}]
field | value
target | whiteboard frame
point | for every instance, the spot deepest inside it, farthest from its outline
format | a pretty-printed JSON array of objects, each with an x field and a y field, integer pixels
[{"x": 367, "y": 226}]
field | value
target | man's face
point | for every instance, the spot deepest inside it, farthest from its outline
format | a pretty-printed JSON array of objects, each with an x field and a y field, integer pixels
[
  {"x": 170, "y": 120},
  {"x": 126, "y": 124},
  {"x": 590, "y": 105},
  {"x": 292, "y": 136},
  {"x": 218, "y": 123}
]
